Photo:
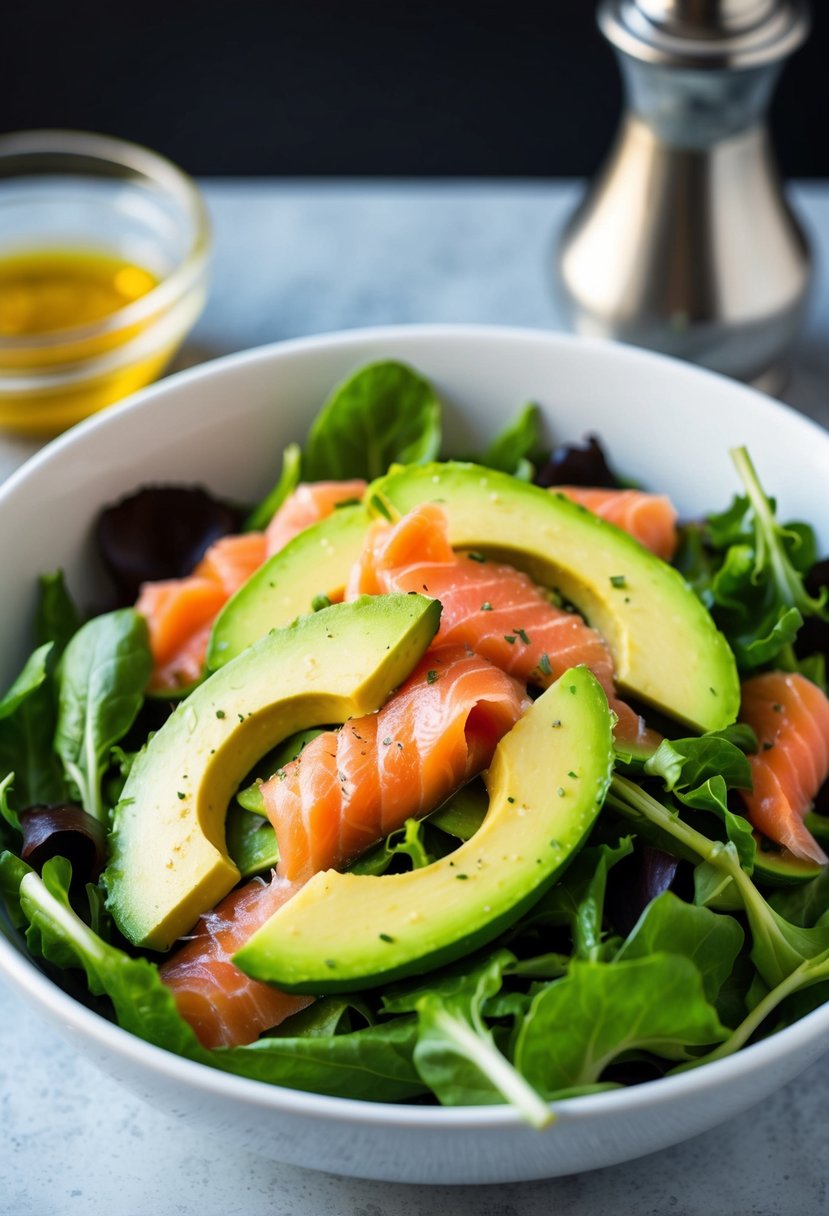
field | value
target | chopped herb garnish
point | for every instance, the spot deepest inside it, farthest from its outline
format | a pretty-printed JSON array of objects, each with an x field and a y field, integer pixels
[
  {"x": 431, "y": 676},
  {"x": 544, "y": 665},
  {"x": 461, "y": 875},
  {"x": 572, "y": 688},
  {"x": 510, "y": 798},
  {"x": 220, "y": 713},
  {"x": 572, "y": 774},
  {"x": 767, "y": 746},
  {"x": 522, "y": 635},
  {"x": 486, "y": 606},
  {"x": 476, "y": 557},
  {"x": 560, "y": 791},
  {"x": 508, "y": 637},
  {"x": 329, "y": 962},
  {"x": 319, "y": 602},
  {"x": 556, "y": 724},
  {"x": 385, "y": 937},
  {"x": 618, "y": 580},
  {"x": 181, "y": 795}
]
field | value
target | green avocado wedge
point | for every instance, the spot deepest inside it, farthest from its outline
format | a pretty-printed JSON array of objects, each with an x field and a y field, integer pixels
[
  {"x": 316, "y": 562},
  {"x": 665, "y": 646},
  {"x": 169, "y": 861},
  {"x": 546, "y": 785}
]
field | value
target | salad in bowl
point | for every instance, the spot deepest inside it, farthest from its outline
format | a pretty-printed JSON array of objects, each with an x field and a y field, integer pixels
[{"x": 462, "y": 772}]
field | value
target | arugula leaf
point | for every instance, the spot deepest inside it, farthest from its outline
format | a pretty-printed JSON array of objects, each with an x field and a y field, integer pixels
[
  {"x": 699, "y": 772},
  {"x": 262, "y": 514},
  {"x": 578, "y": 1025},
  {"x": 751, "y": 575},
  {"x": 669, "y": 925},
  {"x": 384, "y": 413},
  {"x": 778, "y": 947},
  {"x": 514, "y": 449},
  {"x": 102, "y": 678},
  {"x": 455, "y": 1053}
]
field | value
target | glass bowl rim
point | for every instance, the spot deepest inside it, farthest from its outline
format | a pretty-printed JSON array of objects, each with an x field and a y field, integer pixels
[{"x": 150, "y": 165}]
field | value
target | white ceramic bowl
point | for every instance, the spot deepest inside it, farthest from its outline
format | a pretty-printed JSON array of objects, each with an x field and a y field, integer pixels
[{"x": 226, "y": 423}]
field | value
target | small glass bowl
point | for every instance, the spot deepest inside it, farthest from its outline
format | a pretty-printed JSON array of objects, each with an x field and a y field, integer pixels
[{"x": 70, "y": 191}]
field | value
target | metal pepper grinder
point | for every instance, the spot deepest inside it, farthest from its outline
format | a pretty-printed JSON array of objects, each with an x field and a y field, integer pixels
[{"x": 685, "y": 242}]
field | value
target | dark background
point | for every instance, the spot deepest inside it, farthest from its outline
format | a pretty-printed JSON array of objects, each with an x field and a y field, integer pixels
[{"x": 451, "y": 88}]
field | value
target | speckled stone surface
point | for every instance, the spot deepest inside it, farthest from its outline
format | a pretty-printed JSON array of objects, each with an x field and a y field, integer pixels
[{"x": 297, "y": 259}]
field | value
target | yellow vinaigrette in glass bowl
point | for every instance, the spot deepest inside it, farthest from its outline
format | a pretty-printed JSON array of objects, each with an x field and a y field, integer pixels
[
  {"x": 54, "y": 289},
  {"x": 103, "y": 271}
]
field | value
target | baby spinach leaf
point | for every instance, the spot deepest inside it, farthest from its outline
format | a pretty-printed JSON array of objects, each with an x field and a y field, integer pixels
[
  {"x": 464, "y": 812},
  {"x": 373, "y": 1063},
  {"x": 102, "y": 678},
  {"x": 669, "y": 925},
  {"x": 251, "y": 842},
  {"x": 57, "y": 619},
  {"x": 456, "y": 1053},
  {"x": 31, "y": 677},
  {"x": 27, "y": 724},
  {"x": 262, "y": 514},
  {"x": 515, "y": 448},
  {"x": 384, "y": 413},
  {"x": 578, "y": 1025}
]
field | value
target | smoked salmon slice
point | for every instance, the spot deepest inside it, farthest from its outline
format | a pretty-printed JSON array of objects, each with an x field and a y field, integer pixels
[
  {"x": 309, "y": 503},
  {"x": 648, "y": 518},
  {"x": 180, "y": 612},
  {"x": 790, "y": 716},
  {"x": 225, "y": 1007},
  {"x": 350, "y": 788},
  {"x": 492, "y": 608}
]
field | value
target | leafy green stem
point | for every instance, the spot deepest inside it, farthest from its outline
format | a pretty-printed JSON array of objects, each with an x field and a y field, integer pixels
[
  {"x": 778, "y": 947},
  {"x": 810, "y": 971},
  {"x": 486, "y": 1057}
]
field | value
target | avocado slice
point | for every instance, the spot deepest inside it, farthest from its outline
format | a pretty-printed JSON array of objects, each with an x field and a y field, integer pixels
[
  {"x": 547, "y": 782},
  {"x": 665, "y": 646},
  {"x": 169, "y": 862},
  {"x": 776, "y": 867},
  {"x": 316, "y": 562}
]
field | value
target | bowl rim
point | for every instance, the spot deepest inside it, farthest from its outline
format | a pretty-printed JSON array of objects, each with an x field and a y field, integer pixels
[
  {"x": 25, "y": 975},
  {"x": 162, "y": 173}
]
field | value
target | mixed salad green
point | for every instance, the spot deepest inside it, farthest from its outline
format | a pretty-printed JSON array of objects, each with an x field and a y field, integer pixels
[{"x": 658, "y": 950}]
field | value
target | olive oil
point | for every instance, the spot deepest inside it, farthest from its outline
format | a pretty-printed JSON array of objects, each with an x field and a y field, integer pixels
[
  {"x": 67, "y": 338},
  {"x": 47, "y": 291}
]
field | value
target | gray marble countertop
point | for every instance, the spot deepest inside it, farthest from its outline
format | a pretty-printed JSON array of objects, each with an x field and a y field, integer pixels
[{"x": 302, "y": 258}]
